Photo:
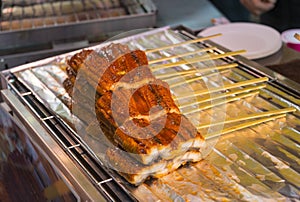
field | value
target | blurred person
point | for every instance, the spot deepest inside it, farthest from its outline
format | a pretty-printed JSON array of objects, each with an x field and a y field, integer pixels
[
  {"x": 233, "y": 10},
  {"x": 279, "y": 14},
  {"x": 258, "y": 7}
]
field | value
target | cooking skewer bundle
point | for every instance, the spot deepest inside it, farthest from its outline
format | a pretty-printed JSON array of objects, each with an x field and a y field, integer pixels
[{"x": 137, "y": 112}]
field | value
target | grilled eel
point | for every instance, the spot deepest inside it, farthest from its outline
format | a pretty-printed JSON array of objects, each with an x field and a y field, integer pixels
[
  {"x": 164, "y": 137},
  {"x": 102, "y": 74},
  {"x": 139, "y": 96},
  {"x": 136, "y": 173},
  {"x": 111, "y": 73},
  {"x": 147, "y": 124},
  {"x": 147, "y": 121},
  {"x": 149, "y": 101},
  {"x": 83, "y": 88},
  {"x": 108, "y": 53},
  {"x": 104, "y": 70},
  {"x": 87, "y": 87}
]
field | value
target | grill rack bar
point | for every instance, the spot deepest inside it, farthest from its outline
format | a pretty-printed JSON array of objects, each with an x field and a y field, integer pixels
[{"x": 105, "y": 181}]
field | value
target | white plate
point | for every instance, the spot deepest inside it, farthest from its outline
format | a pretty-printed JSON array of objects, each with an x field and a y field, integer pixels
[
  {"x": 288, "y": 36},
  {"x": 258, "y": 40}
]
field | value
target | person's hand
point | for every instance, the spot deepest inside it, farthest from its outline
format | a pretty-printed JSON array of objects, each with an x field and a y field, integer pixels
[{"x": 258, "y": 7}]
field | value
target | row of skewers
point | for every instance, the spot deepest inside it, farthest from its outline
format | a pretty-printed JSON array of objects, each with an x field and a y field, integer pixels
[{"x": 232, "y": 92}]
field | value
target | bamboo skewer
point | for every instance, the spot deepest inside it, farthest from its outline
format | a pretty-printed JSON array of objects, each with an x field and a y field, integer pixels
[
  {"x": 180, "y": 55},
  {"x": 190, "y": 80},
  {"x": 196, "y": 59},
  {"x": 223, "y": 95},
  {"x": 225, "y": 87},
  {"x": 176, "y": 74},
  {"x": 251, "y": 116},
  {"x": 231, "y": 99},
  {"x": 242, "y": 126},
  {"x": 182, "y": 43},
  {"x": 185, "y": 81}
]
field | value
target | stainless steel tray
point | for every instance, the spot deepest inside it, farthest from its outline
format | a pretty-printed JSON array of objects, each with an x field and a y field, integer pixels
[
  {"x": 64, "y": 28},
  {"x": 36, "y": 31},
  {"x": 254, "y": 164}
]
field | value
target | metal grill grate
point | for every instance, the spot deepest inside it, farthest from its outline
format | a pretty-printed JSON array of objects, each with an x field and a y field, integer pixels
[
  {"x": 279, "y": 93},
  {"x": 103, "y": 180}
]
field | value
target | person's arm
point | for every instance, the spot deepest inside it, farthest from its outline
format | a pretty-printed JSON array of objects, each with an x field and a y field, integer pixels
[{"x": 258, "y": 7}]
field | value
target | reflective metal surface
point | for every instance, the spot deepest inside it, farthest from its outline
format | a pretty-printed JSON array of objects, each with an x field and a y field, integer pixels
[
  {"x": 58, "y": 156},
  {"x": 47, "y": 28},
  {"x": 258, "y": 163}
]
